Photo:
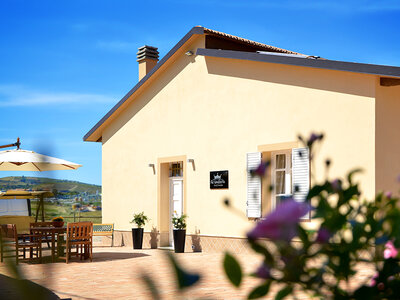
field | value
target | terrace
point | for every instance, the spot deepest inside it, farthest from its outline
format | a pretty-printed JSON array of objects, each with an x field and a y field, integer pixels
[{"x": 115, "y": 273}]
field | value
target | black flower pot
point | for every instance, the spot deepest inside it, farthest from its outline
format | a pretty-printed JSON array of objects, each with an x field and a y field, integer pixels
[
  {"x": 137, "y": 238},
  {"x": 179, "y": 240}
]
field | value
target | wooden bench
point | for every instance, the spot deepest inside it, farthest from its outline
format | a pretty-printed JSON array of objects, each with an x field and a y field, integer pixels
[{"x": 104, "y": 230}]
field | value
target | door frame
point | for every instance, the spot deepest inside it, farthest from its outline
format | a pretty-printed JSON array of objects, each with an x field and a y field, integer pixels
[{"x": 163, "y": 217}]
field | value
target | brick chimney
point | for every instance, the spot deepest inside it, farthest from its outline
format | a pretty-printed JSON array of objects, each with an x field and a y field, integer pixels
[{"x": 147, "y": 57}]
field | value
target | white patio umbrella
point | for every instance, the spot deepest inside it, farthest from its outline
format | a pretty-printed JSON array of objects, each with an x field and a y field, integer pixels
[{"x": 24, "y": 160}]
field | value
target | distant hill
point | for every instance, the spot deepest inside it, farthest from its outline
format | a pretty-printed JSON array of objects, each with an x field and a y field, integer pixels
[{"x": 41, "y": 183}]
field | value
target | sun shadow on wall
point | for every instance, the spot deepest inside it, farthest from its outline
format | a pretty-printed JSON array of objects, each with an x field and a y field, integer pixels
[
  {"x": 314, "y": 78},
  {"x": 196, "y": 241},
  {"x": 154, "y": 238}
]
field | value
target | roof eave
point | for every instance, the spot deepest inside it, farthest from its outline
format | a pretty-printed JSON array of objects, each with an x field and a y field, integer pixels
[
  {"x": 241, "y": 40},
  {"x": 372, "y": 69}
]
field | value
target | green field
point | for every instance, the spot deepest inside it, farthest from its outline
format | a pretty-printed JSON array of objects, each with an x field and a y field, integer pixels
[
  {"x": 54, "y": 210},
  {"x": 41, "y": 183}
]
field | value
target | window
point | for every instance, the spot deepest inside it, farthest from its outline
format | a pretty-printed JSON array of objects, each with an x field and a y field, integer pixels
[
  {"x": 281, "y": 163},
  {"x": 290, "y": 177},
  {"x": 176, "y": 169},
  {"x": 290, "y": 172}
]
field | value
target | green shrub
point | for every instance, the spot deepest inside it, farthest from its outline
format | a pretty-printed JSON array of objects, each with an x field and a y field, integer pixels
[
  {"x": 140, "y": 219},
  {"x": 179, "y": 222}
]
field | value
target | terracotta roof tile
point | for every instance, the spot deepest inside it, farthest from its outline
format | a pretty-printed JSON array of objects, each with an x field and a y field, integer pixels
[{"x": 249, "y": 42}]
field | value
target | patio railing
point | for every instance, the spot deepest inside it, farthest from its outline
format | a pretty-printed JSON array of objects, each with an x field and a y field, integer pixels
[
  {"x": 94, "y": 219},
  {"x": 81, "y": 218}
]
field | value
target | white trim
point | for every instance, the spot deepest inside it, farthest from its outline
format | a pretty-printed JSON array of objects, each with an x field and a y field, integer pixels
[
  {"x": 301, "y": 173},
  {"x": 253, "y": 189}
]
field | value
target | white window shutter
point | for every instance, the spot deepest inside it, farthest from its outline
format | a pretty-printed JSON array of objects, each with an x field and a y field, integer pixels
[
  {"x": 300, "y": 173},
  {"x": 253, "y": 186}
]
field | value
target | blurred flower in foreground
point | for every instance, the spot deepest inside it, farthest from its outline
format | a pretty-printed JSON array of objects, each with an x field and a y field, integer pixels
[
  {"x": 323, "y": 235},
  {"x": 390, "y": 251},
  {"x": 261, "y": 169},
  {"x": 313, "y": 138},
  {"x": 336, "y": 185},
  {"x": 184, "y": 278},
  {"x": 281, "y": 224},
  {"x": 263, "y": 272},
  {"x": 373, "y": 279}
]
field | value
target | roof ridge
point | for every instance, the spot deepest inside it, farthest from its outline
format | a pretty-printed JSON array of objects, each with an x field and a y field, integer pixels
[{"x": 247, "y": 41}]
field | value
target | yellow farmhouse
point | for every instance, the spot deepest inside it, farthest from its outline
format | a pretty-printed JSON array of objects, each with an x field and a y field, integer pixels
[{"x": 215, "y": 106}]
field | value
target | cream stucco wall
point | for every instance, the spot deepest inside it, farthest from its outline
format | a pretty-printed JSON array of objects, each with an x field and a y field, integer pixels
[
  {"x": 214, "y": 111},
  {"x": 387, "y": 138}
]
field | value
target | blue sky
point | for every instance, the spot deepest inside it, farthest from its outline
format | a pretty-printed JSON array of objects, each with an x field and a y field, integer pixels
[{"x": 64, "y": 64}]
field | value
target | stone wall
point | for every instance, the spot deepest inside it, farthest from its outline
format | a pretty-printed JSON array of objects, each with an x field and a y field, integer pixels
[{"x": 194, "y": 243}]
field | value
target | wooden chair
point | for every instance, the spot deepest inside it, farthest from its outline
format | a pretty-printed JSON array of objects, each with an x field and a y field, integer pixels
[
  {"x": 10, "y": 243},
  {"x": 80, "y": 236},
  {"x": 46, "y": 238}
]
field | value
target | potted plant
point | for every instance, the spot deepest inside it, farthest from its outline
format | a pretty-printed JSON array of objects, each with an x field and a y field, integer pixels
[
  {"x": 137, "y": 233},
  {"x": 58, "y": 221},
  {"x": 179, "y": 232}
]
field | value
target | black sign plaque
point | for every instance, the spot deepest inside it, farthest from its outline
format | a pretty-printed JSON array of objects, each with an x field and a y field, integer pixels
[{"x": 219, "y": 180}]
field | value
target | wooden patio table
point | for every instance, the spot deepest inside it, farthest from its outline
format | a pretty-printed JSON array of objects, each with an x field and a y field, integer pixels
[{"x": 59, "y": 231}]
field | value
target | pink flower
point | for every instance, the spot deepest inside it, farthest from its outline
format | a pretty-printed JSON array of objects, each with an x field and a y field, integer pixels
[
  {"x": 388, "y": 195},
  {"x": 390, "y": 251},
  {"x": 373, "y": 279},
  {"x": 263, "y": 272},
  {"x": 323, "y": 235},
  {"x": 281, "y": 223}
]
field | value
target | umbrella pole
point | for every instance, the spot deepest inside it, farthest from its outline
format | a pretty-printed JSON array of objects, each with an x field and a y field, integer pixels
[
  {"x": 41, "y": 200},
  {"x": 17, "y": 144},
  {"x": 37, "y": 211}
]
